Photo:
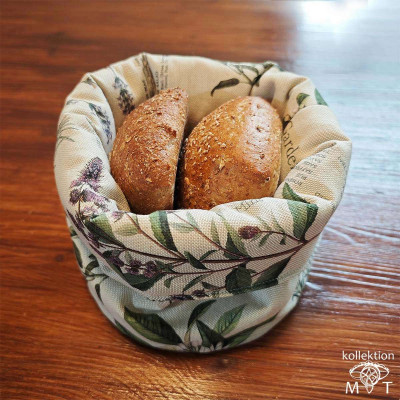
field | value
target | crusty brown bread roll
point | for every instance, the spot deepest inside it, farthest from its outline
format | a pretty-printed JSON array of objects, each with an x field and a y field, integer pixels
[
  {"x": 145, "y": 154},
  {"x": 234, "y": 153}
]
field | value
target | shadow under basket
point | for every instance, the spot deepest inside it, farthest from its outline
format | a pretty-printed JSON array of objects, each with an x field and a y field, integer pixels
[{"x": 197, "y": 280}]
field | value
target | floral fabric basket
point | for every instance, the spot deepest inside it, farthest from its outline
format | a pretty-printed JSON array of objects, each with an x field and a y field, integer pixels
[{"x": 196, "y": 280}]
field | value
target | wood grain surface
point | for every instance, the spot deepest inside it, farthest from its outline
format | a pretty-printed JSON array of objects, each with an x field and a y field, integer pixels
[{"x": 55, "y": 343}]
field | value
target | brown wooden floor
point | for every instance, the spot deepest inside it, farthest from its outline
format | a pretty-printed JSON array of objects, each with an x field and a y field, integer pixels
[{"x": 55, "y": 344}]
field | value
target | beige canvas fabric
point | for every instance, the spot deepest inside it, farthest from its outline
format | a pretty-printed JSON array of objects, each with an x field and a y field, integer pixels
[{"x": 195, "y": 280}]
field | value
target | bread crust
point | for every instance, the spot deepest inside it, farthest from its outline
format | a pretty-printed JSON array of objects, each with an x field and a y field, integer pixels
[
  {"x": 234, "y": 153},
  {"x": 145, "y": 153}
]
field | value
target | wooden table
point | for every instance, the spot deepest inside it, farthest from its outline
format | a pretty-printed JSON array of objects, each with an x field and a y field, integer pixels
[{"x": 55, "y": 344}]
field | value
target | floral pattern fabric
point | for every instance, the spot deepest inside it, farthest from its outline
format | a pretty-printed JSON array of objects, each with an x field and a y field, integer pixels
[{"x": 196, "y": 280}]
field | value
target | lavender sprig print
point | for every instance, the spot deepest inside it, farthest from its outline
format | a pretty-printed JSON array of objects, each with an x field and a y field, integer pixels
[
  {"x": 99, "y": 113},
  {"x": 103, "y": 118},
  {"x": 125, "y": 98},
  {"x": 149, "y": 77},
  {"x": 89, "y": 81},
  {"x": 63, "y": 126},
  {"x": 90, "y": 175},
  {"x": 84, "y": 190}
]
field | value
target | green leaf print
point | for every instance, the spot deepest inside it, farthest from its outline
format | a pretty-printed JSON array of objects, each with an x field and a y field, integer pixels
[
  {"x": 194, "y": 262},
  {"x": 100, "y": 226},
  {"x": 312, "y": 211},
  {"x": 264, "y": 224},
  {"x": 128, "y": 229},
  {"x": 97, "y": 288},
  {"x": 264, "y": 239},
  {"x": 198, "y": 311},
  {"x": 240, "y": 337},
  {"x": 103, "y": 222},
  {"x": 225, "y": 84},
  {"x": 160, "y": 227},
  {"x": 152, "y": 327},
  {"x": 209, "y": 336},
  {"x": 125, "y": 332},
  {"x": 167, "y": 282},
  {"x": 231, "y": 247},
  {"x": 234, "y": 242},
  {"x": 290, "y": 194},
  {"x": 141, "y": 282},
  {"x": 90, "y": 267},
  {"x": 206, "y": 254},
  {"x": 209, "y": 286},
  {"x": 319, "y": 98},
  {"x": 214, "y": 232},
  {"x": 245, "y": 71},
  {"x": 228, "y": 320},
  {"x": 193, "y": 282},
  {"x": 164, "y": 267},
  {"x": 191, "y": 220},
  {"x": 78, "y": 255},
  {"x": 301, "y": 97},
  {"x": 270, "y": 276},
  {"x": 239, "y": 278},
  {"x": 182, "y": 228},
  {"x": 303, "y": 212},
  {"x": 299, "y": 214}
]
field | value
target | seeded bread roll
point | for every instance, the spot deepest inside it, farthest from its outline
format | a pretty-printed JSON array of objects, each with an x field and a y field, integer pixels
[
  {"x": 233, "y": 154},
  {"x": 145, "y": 154}
]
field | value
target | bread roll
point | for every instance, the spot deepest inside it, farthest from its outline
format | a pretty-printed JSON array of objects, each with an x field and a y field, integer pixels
[
  {"x": 234, "y": 153},
  {"x": 145, "y": 154}
]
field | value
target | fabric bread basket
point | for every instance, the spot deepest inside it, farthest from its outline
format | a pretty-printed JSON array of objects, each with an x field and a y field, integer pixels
[{"x": 196, "y": 280}]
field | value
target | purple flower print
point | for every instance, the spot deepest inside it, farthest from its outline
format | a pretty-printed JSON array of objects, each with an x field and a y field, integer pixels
[
  {"x": 112, "y": 257},
  {"x": 98, "y": 199},
  {"x": 74, "y": 196},
  {"x": 181, "y": 297},
  {"x": 199, "y": 293},
  {"x": 89, "y": 212},
  {"x": 134, "y": 267},
  {"x": 90, "y": 175},
  {"x": 85, "y": 187},
  {"x": 248, "y": 232},
  {"x": 151, "y": 269}
]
